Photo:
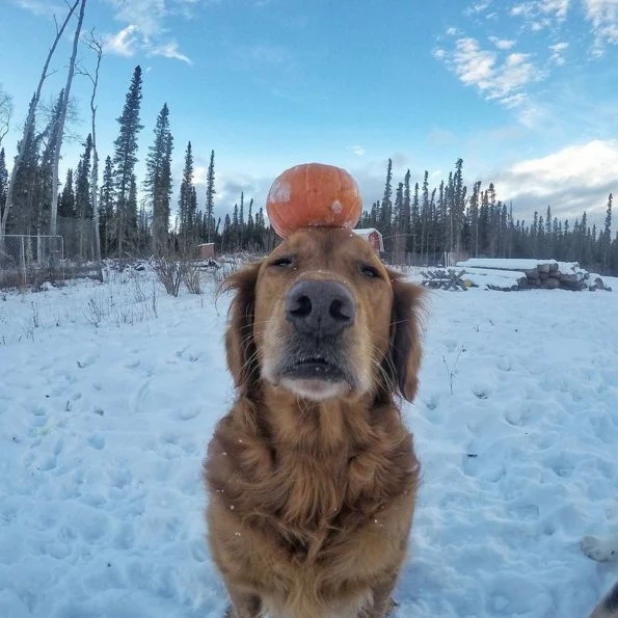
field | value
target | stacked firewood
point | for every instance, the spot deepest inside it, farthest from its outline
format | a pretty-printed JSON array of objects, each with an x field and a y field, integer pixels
[
  {"x": 444, "y": 279},
  {"x": 531, "y": 274}
]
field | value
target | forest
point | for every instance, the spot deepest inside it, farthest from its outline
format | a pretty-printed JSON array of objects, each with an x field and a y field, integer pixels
[{"x": 102, "y": 210}]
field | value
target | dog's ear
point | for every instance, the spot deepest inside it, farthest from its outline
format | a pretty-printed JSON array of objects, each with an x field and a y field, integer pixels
[
  {"x": 239, "y": 344},
  {"x": 404, "y": 357}
]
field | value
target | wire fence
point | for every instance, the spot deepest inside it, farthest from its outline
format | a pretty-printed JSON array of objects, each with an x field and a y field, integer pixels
[{"x": 25, "y": 259}]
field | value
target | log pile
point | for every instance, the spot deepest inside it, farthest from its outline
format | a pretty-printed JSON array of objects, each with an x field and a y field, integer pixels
[
  {"x": 444, "y": 279},
  {"x": 506, "y": 274}
]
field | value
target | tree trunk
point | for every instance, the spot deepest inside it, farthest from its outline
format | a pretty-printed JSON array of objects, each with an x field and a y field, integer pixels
[
  {"x": 62, "y": 119},
  {"x": 94, "y": 174},
  {"x": 30, "y": 120}
]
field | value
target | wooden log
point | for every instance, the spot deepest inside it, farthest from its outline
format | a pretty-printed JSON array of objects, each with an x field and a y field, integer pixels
[{"x": 552, "y": 283}]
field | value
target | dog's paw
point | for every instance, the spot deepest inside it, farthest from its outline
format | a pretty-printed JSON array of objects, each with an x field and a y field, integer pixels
[{"x": 601, "y": 550}]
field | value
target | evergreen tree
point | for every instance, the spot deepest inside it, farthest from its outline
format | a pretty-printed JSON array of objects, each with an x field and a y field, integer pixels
[
  {"x": 415, "y": 229},
  {"x": 4, "y": 181},
  {"x": 44, "y": 187},
  {"x": 106, "y": 208},
  {"x": 83, "y": 205},
  {"x": 607, "y": 233},
  {"x": 185, "y": 202},
  {"x": 210, "y": 195},
  {"x": 21, "y": 217},
  {"x": 158, "y": 184},
  {"x": 125, "y": 158},
  {"x": 66, "y": 207},
  {"x": 386, "y": 208}
]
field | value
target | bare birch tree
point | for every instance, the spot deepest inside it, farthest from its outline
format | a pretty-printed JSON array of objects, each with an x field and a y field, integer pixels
[
  {"x": 62, "y": 118},
  {"x": 6, "y": 113},
  {"x": 31, "y": 116},
  {"x": 96, "y": 46}
]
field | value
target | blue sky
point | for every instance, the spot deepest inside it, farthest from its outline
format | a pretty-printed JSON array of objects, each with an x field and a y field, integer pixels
[{"x": 524, "y": 91}]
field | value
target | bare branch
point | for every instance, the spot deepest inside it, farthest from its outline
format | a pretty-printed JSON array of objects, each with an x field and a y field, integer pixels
[
  {"x": 6, "y": 113},
  {"x": 30, "y": 119}
]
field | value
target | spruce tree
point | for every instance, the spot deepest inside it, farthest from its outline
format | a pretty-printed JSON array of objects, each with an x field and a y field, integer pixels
[
  {"x": 106, "y": 208},
  {"x": 185, "y": 202},
  {"x": 607, "y": 233},
  {"x": 386, "y": 209},
  {"x": 210, "y": 202},
  {"x": 21, "y": 217},
  {"x": 416, "y": 222},
  {"x": 4, "y": 181},
  {"x": 45, "y": 185},
  {"x": 83, "y": 205},
  {"x": 66, "y": 207},
  {"x": 125, "y": 158},
  {"x": 158, "y": 184}
]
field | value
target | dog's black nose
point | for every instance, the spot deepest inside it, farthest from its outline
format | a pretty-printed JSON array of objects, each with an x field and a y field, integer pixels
[{"x": 320, "y": 308}]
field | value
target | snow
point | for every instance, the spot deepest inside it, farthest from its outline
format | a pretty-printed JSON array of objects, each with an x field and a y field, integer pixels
[
  {"x": 517, "y": 264},
  {"x": 110, "y": 393},
  {"x": 280, "y": 192},
  {"x": 486, "y": 277}
]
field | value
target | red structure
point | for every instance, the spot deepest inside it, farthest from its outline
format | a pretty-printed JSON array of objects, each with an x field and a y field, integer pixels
[{"x": 373, "y": 237}]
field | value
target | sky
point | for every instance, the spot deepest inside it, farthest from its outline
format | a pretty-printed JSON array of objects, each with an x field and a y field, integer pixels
[{"x": 523, "y": 91}]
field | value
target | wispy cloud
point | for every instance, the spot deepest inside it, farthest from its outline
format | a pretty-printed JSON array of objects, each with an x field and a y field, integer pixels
[
  {"x": 557, "y": 53},
  {"x": 541, "y": 14},
  {"x": 503, "y": 44},
  {"x": 496, "y": 77},
  {"x": 603, "y": 17},
  {"x": 146, "y": 25},
  {"x": 478, "y": 7},
  {"x": 169, "y": 50},
  {"x": 357, "y": 150},
  {"x": 123, "y": 43},
  {"x": 40, "y": 7}
]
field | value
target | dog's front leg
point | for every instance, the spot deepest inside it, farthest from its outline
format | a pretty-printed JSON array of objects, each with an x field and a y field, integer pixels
[
  {"x": 383, "y": 603},
  {"x": 244, "y": 605}
]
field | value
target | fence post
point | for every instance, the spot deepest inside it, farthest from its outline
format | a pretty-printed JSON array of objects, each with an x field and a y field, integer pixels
[{"x": 23, "y": 260}]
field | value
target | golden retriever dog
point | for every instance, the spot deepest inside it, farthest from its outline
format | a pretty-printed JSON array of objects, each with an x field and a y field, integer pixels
[{"x": 312, "y": 475}]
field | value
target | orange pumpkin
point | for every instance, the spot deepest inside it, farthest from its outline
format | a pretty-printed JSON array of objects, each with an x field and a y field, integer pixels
[{"x": 313, "y": 195}]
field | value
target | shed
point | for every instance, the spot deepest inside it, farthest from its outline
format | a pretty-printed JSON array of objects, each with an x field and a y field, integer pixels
[
  {"x": 207, "y": 250},
  {"x": 373, "y": 237}
]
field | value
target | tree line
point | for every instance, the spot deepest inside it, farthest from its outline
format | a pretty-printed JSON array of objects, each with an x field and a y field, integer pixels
[
  {"x": 424, "y": 225},
  {"x": 123, "y": 216}
]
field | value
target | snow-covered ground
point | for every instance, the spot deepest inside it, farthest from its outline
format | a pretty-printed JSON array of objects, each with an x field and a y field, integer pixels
[{"x": 109, "y": 394}]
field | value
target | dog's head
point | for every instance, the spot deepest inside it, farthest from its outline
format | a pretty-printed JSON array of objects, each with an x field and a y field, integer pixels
[{"x": 322, "y": 318}]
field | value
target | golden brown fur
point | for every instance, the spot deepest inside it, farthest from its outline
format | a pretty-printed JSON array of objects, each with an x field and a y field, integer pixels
[{"x": 312, "y": 482}]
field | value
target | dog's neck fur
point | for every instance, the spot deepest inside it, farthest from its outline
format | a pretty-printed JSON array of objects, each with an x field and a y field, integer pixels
[
  {"x": 321, "y": 429},
  {"x": 311, "y": 462}
]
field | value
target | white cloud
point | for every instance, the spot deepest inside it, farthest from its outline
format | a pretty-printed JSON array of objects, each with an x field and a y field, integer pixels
[
  {"x": 495, "y": 77},
  {"x": 40, "y": 7},
  {"x": 503, "y": 44},
  {"x": 147, "y": 18},
  {"x": 603, "y": 16},
  {"x": 357, "y": 150},
  {"x": 169, "y": 50},
  {"x": 452, "y": 31},
  {"x": 478, "y": 7},
  {"x": 572, "y": 180},
  {"x": 123, "y": 43},
  {"x": 149, "y": 14},
  {"x": 200, "y": 174},
  {"x": 541, "y": 14},
  {"x": 557, "y": 55}
]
